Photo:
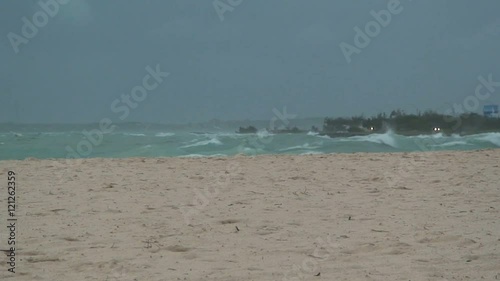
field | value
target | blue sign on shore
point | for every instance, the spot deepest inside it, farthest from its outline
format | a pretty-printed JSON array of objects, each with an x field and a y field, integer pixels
[{"x": 491, "y": 110}]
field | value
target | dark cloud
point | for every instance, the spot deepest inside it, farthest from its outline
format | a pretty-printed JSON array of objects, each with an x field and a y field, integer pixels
[{"x": 264, "y": 54}]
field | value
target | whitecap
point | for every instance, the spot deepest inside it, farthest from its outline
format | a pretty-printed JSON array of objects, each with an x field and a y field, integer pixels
[
  {"x": 214, "y": 141},
  {"x": 311, "y": 153},
  {"x": 386, "y": 139},
  {"x": 304, "y": 146},
  {"x": 452, "y": 143},
  {"x": 493, "y": 138},
  {"x": 164, "y": 134},
  {"x": 264, "y": 134},
  {"x": 192, "y": 156}
]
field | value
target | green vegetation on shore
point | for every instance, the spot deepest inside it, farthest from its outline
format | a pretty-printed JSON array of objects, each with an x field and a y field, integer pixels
[
  {"x": 401, "y": 123},
  {"x": 412, "y": 124}
]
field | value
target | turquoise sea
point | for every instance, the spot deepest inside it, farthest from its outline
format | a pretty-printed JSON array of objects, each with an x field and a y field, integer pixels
[{"x": 62, "y": 142}]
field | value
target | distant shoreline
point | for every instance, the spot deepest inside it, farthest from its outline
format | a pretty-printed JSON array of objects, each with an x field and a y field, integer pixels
[{"x": 404, "y": 133}]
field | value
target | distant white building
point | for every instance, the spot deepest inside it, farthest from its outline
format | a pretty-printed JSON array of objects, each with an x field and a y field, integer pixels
[{"x": 491, "y": 110}]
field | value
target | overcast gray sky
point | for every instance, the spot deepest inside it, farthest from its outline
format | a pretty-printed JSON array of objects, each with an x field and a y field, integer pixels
[{"x": 263, "y": 54}]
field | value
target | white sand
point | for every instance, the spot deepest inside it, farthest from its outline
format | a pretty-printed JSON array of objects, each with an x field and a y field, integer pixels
[{"x": 416, "y": 216}]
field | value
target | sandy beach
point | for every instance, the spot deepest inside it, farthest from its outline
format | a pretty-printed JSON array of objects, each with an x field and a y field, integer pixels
[{"x": 380, "y": 216}]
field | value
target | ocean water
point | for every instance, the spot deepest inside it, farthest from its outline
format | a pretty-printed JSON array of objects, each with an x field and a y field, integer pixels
[{"x": 182, "y": 143}]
